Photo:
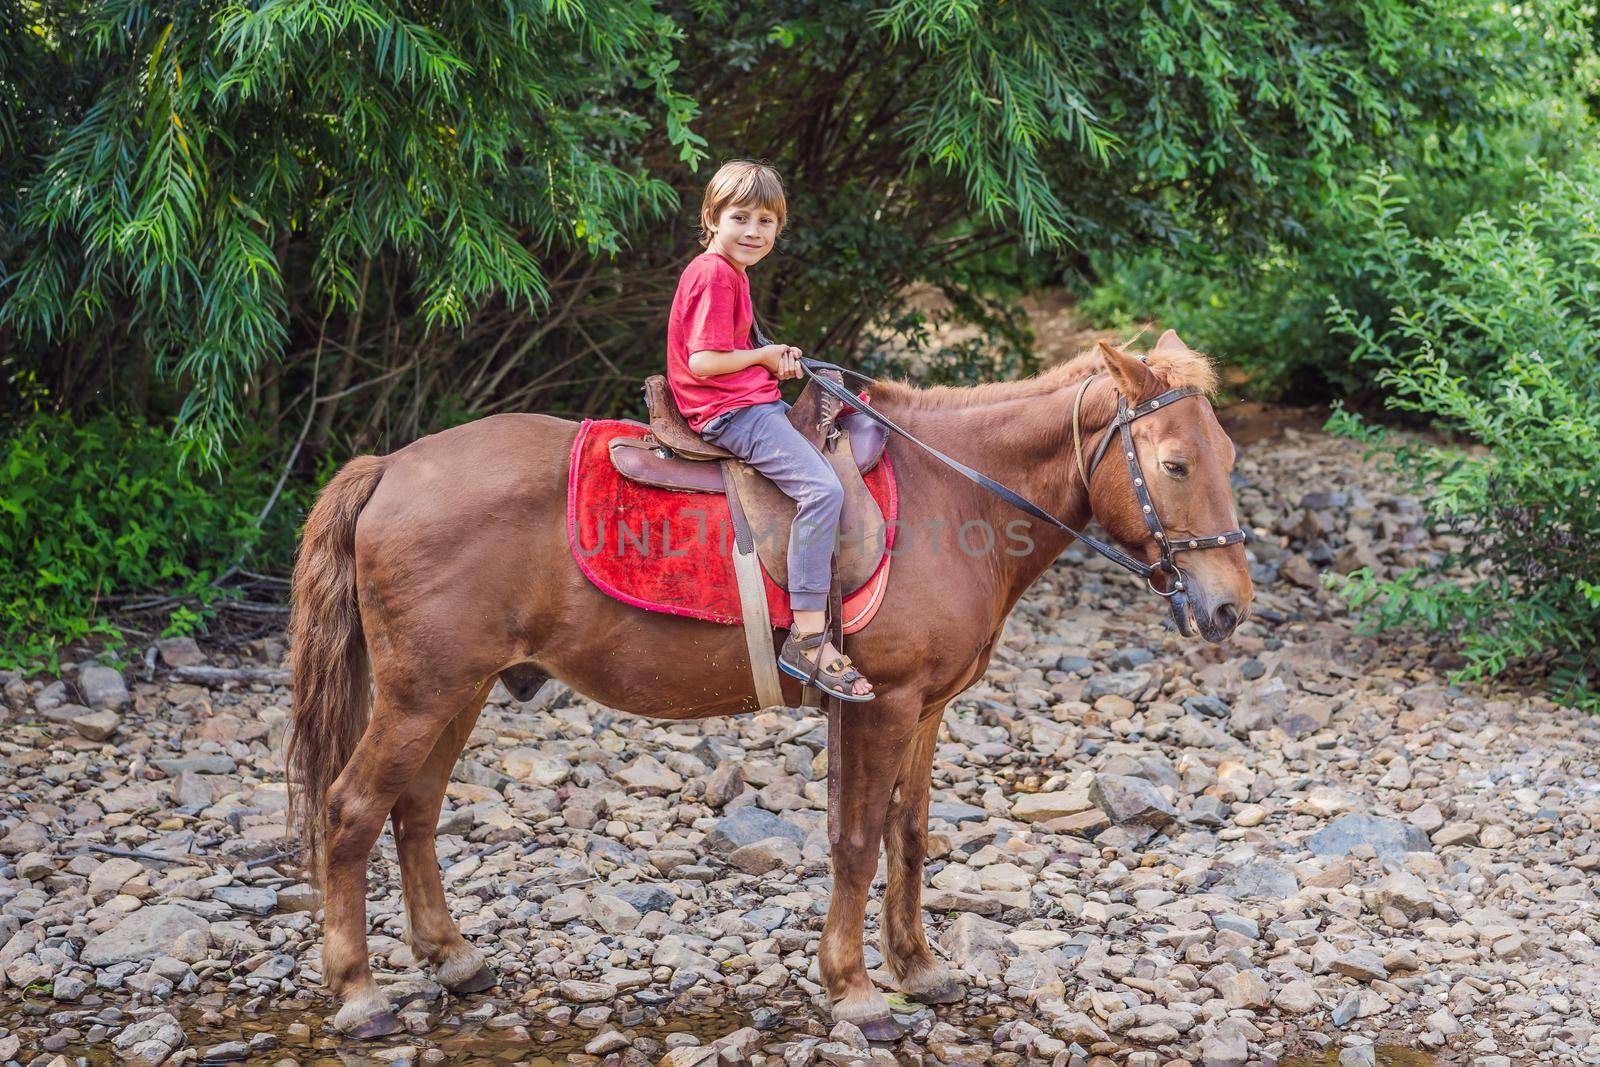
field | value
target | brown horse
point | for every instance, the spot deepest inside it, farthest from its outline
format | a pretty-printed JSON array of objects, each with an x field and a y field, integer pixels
[{"x": 432, "y": 570}]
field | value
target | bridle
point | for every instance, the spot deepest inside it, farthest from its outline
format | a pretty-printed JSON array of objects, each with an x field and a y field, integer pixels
[
  {"x": 1121, "y": 425},
  {"x": 1176, "y": 595}
]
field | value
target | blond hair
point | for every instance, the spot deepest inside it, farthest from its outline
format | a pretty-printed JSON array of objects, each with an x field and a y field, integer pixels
[{"x": 742, "y": 183}]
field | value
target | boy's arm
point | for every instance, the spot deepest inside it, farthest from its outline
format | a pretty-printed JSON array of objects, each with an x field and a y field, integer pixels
[{"x": 709, "y": 362}]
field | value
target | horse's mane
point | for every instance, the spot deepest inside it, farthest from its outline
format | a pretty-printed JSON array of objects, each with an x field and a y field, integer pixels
[{"x": 1179, "y": 368}]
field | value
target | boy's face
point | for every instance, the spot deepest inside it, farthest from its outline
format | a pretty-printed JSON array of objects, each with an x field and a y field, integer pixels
[{"x": 744, "y": 234}]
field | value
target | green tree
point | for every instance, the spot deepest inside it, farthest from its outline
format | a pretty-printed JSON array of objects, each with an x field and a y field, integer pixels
[{"x": 458, "y": 208}]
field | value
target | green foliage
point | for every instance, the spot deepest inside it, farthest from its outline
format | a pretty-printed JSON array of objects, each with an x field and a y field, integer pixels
[
  {"x": 218, "y": 210},
  {"x": 1492, "y": 335},
  {"x": 1260, "y": 303},
  {"x": 189, "y": 148},
  {"x": 92, "y": 513}
]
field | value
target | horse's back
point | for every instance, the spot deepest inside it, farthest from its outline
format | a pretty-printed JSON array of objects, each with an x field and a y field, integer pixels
[
  {"x": 488, "y": 471},
  {"x": 472, "y": 514}
]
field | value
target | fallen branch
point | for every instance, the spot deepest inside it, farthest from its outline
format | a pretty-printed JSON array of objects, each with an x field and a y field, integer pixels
[{"x": 231, "y": 675}]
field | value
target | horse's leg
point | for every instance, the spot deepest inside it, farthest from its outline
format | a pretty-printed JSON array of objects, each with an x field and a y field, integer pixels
[
  {"x": 402, "y": 732},
  {"x": 431, "y": 932},
  {"x": 905, "y": 841},
  {"x": 871, "y": 750}
]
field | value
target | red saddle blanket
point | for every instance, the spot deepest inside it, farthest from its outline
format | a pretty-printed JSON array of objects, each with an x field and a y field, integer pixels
[{"x": 672, "y": 551}]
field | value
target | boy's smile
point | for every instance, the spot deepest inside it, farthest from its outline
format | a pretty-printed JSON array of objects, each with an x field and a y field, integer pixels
[{"x": 743, "y": 234}]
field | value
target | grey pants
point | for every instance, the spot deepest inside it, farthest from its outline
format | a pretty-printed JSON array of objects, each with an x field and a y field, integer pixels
[{"x": 762, "y": 436}]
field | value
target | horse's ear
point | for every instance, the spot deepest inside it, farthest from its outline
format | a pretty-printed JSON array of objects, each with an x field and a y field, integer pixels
[
  {"x": 1170, "y": 341},
  {"x": 1133, "y": 379}
]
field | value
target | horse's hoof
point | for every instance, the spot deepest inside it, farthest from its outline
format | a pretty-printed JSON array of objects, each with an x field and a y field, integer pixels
[
  {"x": 951, "y": 992},
  {"x": 380, "y": 1025},
  {"x": 883, "y": 1028},
  {"x": 476, "y": 982}
]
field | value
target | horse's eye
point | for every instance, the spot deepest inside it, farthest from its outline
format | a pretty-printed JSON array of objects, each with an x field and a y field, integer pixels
[{"x": 1177, "y": 470}]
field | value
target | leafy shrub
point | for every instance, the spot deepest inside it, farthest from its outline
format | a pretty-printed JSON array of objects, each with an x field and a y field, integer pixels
[
  {"x": 92, "y": 512},
  {"x": 1261, "y": 303},
  {"x": 1493, "y": 335},
  {"x": 214, "y": 208}
]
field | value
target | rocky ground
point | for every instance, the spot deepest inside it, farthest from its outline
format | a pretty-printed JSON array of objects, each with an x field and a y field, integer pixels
[{"x": 1144, "y": 851}]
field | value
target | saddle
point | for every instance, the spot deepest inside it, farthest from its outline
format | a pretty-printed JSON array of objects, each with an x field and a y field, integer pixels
[{"x": 672, "y": 456}]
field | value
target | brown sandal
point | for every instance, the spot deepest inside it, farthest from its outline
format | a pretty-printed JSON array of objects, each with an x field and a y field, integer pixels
[{"x": 834, "y": 680}]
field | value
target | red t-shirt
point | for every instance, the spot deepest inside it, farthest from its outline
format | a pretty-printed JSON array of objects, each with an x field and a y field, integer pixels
[{"x": 712, "y": 312}]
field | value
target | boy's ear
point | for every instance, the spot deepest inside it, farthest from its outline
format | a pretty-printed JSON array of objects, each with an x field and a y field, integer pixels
[{"x": 1132, "y": 378}]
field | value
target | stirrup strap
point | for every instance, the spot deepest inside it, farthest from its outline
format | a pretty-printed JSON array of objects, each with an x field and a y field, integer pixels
[{"x": 752, "y": 599}]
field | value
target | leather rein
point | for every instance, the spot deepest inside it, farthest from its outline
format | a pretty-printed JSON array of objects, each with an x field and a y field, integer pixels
[{"x": 1177, "y": 594}]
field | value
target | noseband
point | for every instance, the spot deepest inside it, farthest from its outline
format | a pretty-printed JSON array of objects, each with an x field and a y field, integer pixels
[{"x": 1121, "y": 426}]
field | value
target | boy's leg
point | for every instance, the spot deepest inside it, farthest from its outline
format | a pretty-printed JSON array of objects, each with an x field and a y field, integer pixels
[{"x": 762, "y": 436}]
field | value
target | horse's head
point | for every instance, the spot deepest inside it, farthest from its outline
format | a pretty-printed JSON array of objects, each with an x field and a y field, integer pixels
[{"x": 1183, "y": 459}]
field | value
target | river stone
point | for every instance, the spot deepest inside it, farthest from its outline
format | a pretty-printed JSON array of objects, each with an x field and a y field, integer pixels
[
  {"x": 540, "y": 768},
  {"x": 676, "y": 952},
  {"x": 1407, "y": 893},
  {"x": 766, "y": 855},
  {"x": 612, "y": 914},
  {"x": 1130, "y": 685},
  {"x": 1358, "y": 1056},
  {"x": 250, "y": 899},
  {"x": 577, "y": 992},
  {"x": 65, "y": 713},
  {"x": 1390, "y": 838},
  {"x": 109, "y": 878},
  {"x": 274, "y": 969},
  {"x": 1206, "y": 707},
  {"x": 974, "y": 944},
  {"x": 1242, "y": 925},
  {"x": 33, "y": 866},
  {"x": 97, "y": 725},
  {"x": 748, "y": 825},
  {"x": 143, "y": 935},
  {"x": 1126, "y": 800},
  {"x": 1260, "y": 879},
  {"x": 25, "y": 837},
  {"x": 1305, "y": 716},
  {"x": 180, "y": 652},
  {"x": 1224, "y": 1050},
  {"x": 647, "y": 775},
  {"x": 160, "y": 1029},
  {"x": 1035, "y": 977},
  {"x": 955, "y": 812},
  {"x": 1361, "y": 964},
  {"x": 103, "y": 688},
  {"x": 644, "y": 897},
  {"x": 215, "y": 763},
  {"x": 1042, "y": 807},
  {"x": 725, "y": 783},
  {"x": 1298, "y": 998}
]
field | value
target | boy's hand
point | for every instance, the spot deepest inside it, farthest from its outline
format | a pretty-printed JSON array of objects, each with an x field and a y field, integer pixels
[{"x": 783, "y": 361}]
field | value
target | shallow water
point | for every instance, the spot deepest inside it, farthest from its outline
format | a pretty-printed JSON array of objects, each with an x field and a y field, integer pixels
[
  {"x": 1388, "y": 1056},
  {"x": 465, "y": 1042},
  {"x": 470, "y": 1043}
]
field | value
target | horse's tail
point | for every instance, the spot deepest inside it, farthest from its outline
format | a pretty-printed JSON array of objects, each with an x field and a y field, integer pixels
[{"x": 331, "y": 673}]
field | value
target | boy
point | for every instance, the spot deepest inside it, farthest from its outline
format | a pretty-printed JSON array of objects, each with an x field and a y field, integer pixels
[{"x": 728, "y": 392}]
